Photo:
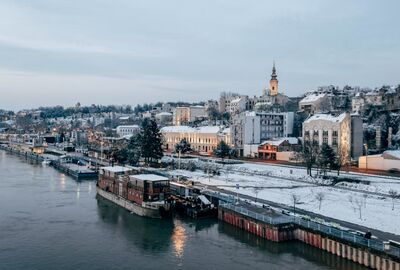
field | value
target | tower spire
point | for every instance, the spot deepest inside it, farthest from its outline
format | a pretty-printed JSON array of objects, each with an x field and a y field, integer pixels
[
  {"x": 273, "y": 83},
  {"x": 273, "y": 75}
]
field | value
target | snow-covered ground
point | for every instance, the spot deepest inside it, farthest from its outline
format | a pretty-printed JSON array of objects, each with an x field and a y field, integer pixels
[{"x": 279, "y": 183}]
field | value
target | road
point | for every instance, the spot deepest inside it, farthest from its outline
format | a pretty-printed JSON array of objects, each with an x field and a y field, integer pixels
[{"x": 353, "y": 170}]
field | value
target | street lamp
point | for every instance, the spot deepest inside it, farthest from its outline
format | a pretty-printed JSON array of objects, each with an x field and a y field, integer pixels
[{"x": 366, "y": 156}]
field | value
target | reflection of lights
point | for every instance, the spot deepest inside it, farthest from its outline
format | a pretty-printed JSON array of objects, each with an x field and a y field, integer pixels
[
  {"x": 78, "y": 191},
  {"x": 63, "y": 181},
  {"x": 179, "y": 239}
]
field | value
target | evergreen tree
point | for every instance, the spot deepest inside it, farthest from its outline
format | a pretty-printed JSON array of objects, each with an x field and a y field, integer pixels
[
  {"x": 150, "y": 140},
  {"x": 222, "y": 150},
  {"x": 120, "y": 155},
  {"x": 183, "y": 146},
  {"x": 134, "y": 150},
  {"x": 326, "y": 158}
]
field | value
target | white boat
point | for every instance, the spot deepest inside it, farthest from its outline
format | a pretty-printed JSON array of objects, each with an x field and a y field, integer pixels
[{"x": 46, "y": 162}]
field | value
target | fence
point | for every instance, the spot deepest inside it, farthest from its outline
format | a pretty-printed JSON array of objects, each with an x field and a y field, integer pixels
[
  {"x": 315, "y": 226},
  {"x": 257, "y": 216}
]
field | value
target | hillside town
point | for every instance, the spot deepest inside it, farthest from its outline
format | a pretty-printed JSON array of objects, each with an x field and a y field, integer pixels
[
  {"x": 361, "y": 126},
  {"x": 199, "y": 135}
]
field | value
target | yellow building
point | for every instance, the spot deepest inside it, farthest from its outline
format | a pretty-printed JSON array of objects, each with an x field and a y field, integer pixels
[{"x": 202, "y": 139}]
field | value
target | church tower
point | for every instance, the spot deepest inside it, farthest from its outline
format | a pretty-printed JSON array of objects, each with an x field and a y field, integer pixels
[{"x": 273, "y": 83}]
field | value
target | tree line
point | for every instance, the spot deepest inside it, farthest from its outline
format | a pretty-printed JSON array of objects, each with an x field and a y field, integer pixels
[{"x": 323, "y": 157}]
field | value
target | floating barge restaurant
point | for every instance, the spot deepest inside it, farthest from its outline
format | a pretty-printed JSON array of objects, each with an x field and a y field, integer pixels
[{"x": 143, "y": 194}]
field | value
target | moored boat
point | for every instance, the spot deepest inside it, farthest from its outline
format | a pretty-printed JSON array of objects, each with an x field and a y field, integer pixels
[{"x": 142, "y": 194}]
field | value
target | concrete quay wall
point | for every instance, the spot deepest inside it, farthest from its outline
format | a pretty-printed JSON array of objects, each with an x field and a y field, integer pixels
[{"x": 288, "y": 232}]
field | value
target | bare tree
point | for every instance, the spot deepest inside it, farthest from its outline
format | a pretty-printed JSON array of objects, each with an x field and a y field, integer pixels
[
  {"x": 350, "y": 198},
  {"x": 295, "y": 200},
  {"x": 309, "y": 155},
  {"x": 256, "y": 190},
  {"x": 227, "y": 171},
  {"x": 365, "y": 196},
  {"x": 320, "y": 196},
  {"x": 394, "y": 195},
  {"x": 342, "y": 159},
  {"x": 359, "y": 203}
]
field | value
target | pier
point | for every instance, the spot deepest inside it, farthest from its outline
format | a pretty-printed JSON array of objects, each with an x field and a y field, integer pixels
[
  {"x": 76, "y": 171},
  {"x": 73, "y": 169}
]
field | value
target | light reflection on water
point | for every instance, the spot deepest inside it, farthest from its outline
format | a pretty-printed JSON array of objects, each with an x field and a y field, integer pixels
[{"x": 179, "y": 238}]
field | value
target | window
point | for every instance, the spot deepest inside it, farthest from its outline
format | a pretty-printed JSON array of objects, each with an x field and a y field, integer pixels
[
  {"x": 334, "y": 141},
  {"x": 335, "y": 133}
]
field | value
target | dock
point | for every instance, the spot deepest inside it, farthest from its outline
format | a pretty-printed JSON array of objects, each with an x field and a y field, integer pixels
[
  {"x": 72, "y": 169},
  {"x": 76, "y": 171}
]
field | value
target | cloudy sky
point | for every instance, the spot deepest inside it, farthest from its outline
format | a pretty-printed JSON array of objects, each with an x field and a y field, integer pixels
[{"x": 129, "y": 52}]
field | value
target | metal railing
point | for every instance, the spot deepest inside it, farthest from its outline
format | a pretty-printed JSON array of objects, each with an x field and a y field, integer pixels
[
  {"x": 315, "y": 226},
  {"x": 257, "y": 216}
]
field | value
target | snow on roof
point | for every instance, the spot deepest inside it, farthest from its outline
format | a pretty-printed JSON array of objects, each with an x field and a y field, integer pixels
[
  {"x": 279, "y": 141},
  {"x": 115, "y": 169},
  {"x": 312, "y": 97},
  {"x": 391, "y": 154},
  {"x": 123, "y": 117},
  {"x": 372, "y": 93},
  {"x": 164, "y": 113},
  {"x": 178, "y": 129},
  {"x": 391, "y": 91},
  {"x": 129, "y": 126},
  {"x": 236, "y": 100},
  {"x": 187, "y": 129},
  {"x": 149, "y": 177},
  {"x": 326, "y": 117},
  {"x": 292, "y": 140},
  {"x": 208, "y": 129},
  {"x": 226, "y": 130}
]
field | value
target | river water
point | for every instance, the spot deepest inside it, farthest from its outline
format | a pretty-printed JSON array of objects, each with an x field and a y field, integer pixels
[{"x": 50, "y": 221}]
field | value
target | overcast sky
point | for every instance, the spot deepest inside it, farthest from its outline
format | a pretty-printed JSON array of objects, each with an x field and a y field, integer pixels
[{"x": 129, "y": 52}]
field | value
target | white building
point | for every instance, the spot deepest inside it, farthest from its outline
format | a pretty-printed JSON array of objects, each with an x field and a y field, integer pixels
[
  {"x": 328, "y": 129},
  {"x": 127, "y": 131},
  {"x": 164, "y": 117},
  {"x": 237, "y": 105},
  {"x": 276, "y": 125},
  {"x": 389, "y": 160},
  {"x": 357, "y": 103},
  {"x": 315, "y": 103},
  {"x": 184, "y": 115},
  {"x": 250, "y": 128},
  {"x": 374, "y": 98}
]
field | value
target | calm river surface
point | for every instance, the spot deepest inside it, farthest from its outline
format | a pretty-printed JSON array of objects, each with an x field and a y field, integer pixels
[{"x": 50, "y": 221}]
